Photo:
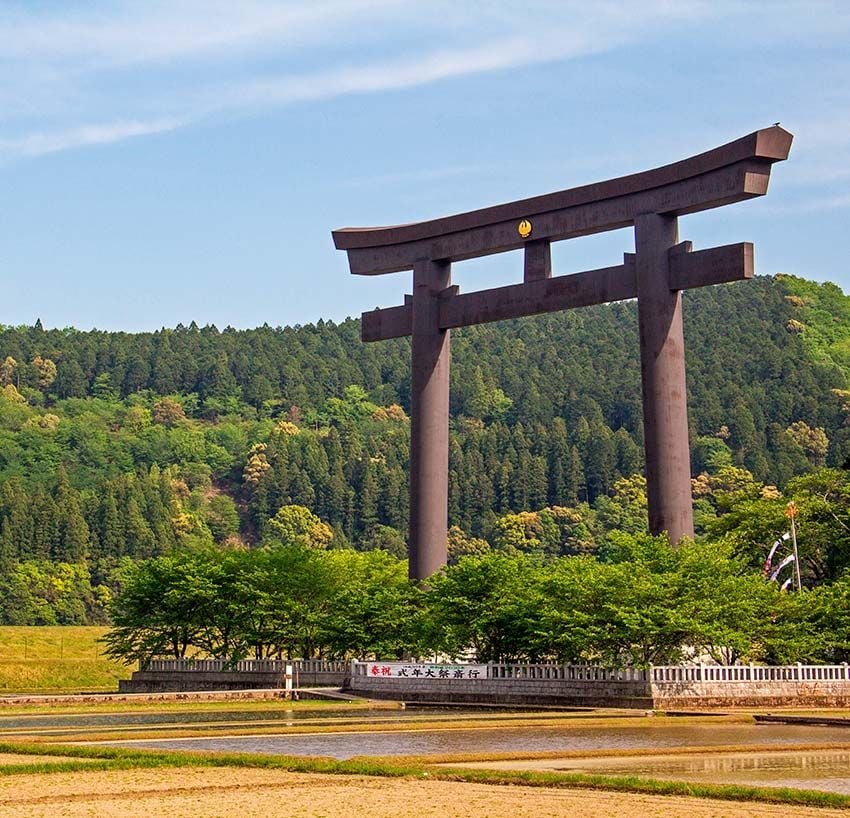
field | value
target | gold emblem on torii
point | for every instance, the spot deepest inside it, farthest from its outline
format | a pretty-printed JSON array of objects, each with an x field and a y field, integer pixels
[{"x": 524, "y": 228}]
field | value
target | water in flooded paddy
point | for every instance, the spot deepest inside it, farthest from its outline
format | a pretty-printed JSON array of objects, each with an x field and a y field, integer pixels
[
  {"x": 58, "y": 725},
  {"x": 504, "y": 738},
  {"x": 190, "y": 717},
  {"x": 804, "y": 769}
]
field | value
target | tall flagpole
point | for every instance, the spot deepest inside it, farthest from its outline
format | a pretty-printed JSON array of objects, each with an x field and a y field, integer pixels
[{"x": 792, "y": 513}]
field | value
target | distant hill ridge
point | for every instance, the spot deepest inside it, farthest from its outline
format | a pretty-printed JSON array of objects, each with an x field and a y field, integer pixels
[
  {"x": 772, "y": 349},
  {"x": 118, "y": 444}
]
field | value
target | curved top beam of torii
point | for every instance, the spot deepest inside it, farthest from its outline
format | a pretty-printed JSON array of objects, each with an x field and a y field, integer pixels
[{"x": 730, "y": 173}]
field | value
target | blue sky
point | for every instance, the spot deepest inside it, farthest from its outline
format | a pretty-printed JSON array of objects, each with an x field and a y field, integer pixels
[{"x": 168, "y": 161}]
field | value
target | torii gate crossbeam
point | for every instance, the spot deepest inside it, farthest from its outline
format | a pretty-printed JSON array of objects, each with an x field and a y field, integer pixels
[{"x": 655, "y": 274}]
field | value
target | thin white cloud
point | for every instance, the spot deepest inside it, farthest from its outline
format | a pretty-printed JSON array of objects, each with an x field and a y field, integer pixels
[
  {"x": 369, "y": 77},
  {"x": 38, "y": 144},
  {"x": 821, "y": 151},
  {"x": 289, "y": 89},
  {"x": 815, "y": 204},
  {"x": 187, "y": 59},
  {"x": 397, "y": 74},
  {"x": 127, "y": 33},
  {"x": 826, "y": 131}
]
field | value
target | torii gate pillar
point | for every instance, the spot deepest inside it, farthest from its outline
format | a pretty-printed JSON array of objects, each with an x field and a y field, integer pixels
[
  {"x": 429, "y": 427},
  {"x": 662, "y": 363}
]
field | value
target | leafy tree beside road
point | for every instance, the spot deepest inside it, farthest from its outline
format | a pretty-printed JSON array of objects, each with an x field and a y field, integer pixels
[{"x": 641, "y": 603}]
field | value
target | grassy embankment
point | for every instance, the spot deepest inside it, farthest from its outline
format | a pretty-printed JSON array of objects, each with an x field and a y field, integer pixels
[{"x": 56, "y": 660}]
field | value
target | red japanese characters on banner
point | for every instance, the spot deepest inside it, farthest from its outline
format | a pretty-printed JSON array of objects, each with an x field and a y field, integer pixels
[{"x": 406, "y": 670}]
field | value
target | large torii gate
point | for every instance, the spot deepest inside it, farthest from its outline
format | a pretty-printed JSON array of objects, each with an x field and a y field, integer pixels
[{"x": 656, "y": 273}]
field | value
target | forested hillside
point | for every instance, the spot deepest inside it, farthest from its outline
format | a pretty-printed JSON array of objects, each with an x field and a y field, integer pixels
[{"x": 117, "y": 445}]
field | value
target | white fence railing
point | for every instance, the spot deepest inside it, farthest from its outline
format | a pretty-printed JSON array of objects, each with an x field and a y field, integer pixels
[
  {"x": 749, "y": 673},
  {"x": 245, "y": 666},
  {"x": 582, "y": 673},
  {"x": 657, "y": 674},
  {"x": 668, "y": 674}
]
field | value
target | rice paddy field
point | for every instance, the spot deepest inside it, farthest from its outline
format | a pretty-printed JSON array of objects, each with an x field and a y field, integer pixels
[{"x": 311, "y": 758}]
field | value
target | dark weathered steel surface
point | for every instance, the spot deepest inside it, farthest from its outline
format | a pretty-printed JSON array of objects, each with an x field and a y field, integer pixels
[
  {"x": 538, "y": 261},
  {"x": 534, "y": 297},
  {"x": 665, "y": 399},
  {"x": 386, "y": 323},
  {"x": 656, "y": 274},
  {"x": 429, "y": 423},
  {"x": 721, "y": 187},
  {"x": 513, "y": 301},
  {"x": 718, "y": 265},
  {"x": 731, "y": 173},
  {"x": 767, "y": 145}
]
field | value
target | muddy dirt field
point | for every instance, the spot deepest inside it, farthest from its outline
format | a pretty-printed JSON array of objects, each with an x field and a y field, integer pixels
[{"x": 251, "y": 793}]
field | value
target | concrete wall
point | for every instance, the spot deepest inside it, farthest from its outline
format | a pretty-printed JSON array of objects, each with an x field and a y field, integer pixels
[
  {"x": 148, "y": 681},
  {"x": 689, "y": 695},
  {"x": 155, "y": 696},
  {"x": 667, "y": 694},
  {"x": 643, "y": 695},
  {"x": 506, "y": 691}
]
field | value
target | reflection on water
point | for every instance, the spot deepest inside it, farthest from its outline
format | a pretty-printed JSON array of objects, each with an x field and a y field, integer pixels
[
  {"x": 751, "y": 762},
  {"x": 203, "y": 718},
  {"x": 820, "y": 770},
  {"x": 503, "y": 739}
]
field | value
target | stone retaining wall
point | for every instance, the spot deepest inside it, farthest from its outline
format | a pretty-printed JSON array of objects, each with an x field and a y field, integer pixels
[
  {"x": 61, "y": 700},
  {"x": 634, "y": 694},
  {"x": 506, "y": 691},
  {"x": 150, "y": 681},
  {"x": 676, "y": 695},
  {"x": 660, "y": 688}
]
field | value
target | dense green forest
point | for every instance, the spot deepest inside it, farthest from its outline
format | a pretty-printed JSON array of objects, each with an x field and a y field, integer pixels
[{"x": 118, "y": 447}]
